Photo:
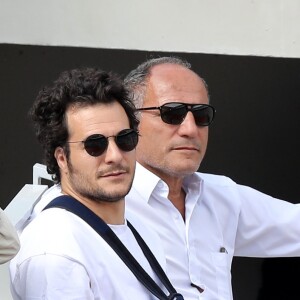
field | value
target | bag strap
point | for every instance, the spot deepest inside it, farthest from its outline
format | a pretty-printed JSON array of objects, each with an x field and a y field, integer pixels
[
  {"x": 153, "y": 261},
  {"x": 77, "y": 208}
]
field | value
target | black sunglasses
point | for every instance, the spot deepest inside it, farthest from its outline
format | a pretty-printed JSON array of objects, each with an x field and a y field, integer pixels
[
  {"x": 175, "y": 112},
  {"x": 96, "y": 144}
]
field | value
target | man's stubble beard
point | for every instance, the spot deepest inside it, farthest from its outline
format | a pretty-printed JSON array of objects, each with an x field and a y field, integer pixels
[{"x": 81, "y": 186}]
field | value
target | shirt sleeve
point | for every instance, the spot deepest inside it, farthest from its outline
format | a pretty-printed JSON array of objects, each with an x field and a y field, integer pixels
[
  {"x": 51, "y": 277},
  {"x": 9, "y": 241},
  {"x": 267, "y": 227}
]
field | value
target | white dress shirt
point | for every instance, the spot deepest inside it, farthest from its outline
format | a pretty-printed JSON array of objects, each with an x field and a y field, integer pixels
[
  {"x": 62, "y": 257},
  {"x": 222, "y": 219}
]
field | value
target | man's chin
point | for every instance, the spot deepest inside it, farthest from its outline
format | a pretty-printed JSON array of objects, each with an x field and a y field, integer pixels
[
  {"x": 189, "y": 165},
  {"x": 108, "y": 197}
]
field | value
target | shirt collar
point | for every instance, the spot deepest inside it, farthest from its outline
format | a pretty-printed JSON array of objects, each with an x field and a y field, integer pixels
[{"x": 145, "y": 182}]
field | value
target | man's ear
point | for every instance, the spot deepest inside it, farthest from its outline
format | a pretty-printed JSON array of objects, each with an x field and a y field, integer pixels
[{"x": 61, "y": 159}]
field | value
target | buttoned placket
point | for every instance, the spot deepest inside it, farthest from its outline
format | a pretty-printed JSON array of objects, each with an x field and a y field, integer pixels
[{"x": 193, "y": 195}]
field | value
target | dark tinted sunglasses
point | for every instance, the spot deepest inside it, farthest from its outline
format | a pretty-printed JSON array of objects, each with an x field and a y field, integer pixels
[
  {"x": 175, "y": 112},
  {"x": 96, "y": 144}
]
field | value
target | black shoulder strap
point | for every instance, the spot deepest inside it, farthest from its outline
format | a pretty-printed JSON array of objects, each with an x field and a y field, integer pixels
[{"x": 76, "y": 207}]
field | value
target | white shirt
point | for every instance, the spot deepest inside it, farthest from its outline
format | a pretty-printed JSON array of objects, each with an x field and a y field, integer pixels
[
  {"x": 222, "y": 219},
  {"x": 62, "y": 257}
]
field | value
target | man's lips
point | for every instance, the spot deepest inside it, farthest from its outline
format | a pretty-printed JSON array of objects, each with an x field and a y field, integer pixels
[
  {"x": 188, "y": 148},
  {"x": 113, "y": 174}
]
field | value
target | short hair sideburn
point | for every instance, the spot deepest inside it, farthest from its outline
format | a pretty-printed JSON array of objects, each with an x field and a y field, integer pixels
[{"x": 136, "y": 80}]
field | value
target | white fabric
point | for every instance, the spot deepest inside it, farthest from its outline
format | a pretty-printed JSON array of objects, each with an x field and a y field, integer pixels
[
  {"x": 62, "y": 257},
  {"x": 9, "y": 242},
  {"x": 222, "y": 219}
]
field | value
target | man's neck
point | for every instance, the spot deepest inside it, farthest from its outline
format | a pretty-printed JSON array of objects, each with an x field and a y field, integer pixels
[
  {"x": 177, "y": 197},
  {"x": 176, "y": 192},
  {"x": 175, "y": 184}
]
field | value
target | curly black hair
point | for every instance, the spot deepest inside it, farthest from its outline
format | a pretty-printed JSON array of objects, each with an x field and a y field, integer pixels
[{"x": 85, "y": 86}]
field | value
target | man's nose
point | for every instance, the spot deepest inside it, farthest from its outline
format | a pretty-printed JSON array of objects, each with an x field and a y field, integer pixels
[
  {"x": 188, "y": 127},
  {"x": 113, "y": 153}
]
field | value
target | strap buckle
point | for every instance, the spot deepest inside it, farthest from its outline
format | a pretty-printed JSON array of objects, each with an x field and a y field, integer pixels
[{"x": 175, "y": 296}]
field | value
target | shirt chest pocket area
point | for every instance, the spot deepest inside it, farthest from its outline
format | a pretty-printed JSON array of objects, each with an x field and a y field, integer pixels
[{"x": 221, "y": 263}]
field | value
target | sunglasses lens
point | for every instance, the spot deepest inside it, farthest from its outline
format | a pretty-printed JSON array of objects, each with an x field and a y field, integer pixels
[
  {"x": 173, "y": 113},
  {"x": 127, "y": 139},
  {"x": 203, "y": 115},
  {"x": 96, "y": 144}
]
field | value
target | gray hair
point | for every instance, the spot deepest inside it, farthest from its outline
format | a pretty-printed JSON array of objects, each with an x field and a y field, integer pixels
[{"x": 136, "y": 81}]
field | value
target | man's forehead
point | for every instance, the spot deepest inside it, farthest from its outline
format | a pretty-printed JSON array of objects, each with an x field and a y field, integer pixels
[
  {"x": 169, "y": 68},
  {"x": 169, "y": 82}
]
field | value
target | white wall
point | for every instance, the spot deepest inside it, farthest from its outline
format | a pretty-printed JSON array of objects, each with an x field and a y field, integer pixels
[{"x": 242, "y": 27}]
